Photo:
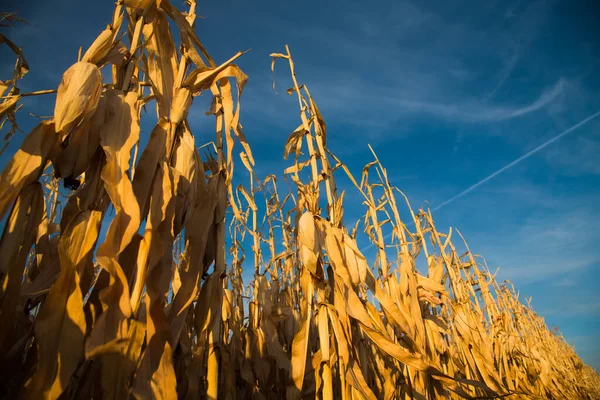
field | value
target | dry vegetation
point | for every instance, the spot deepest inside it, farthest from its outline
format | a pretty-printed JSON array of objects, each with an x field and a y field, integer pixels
[{"x": 158, "y": 308}]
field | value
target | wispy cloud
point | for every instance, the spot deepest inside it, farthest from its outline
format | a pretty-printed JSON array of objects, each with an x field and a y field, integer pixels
[
  {"x": 555, "y": 237},
  {"x": 383, "y": 105},
  {"x": 575, "y": 307},
  {"x": 518, "y": 160},
  {"x": 481, "y": 112},
  {"x": 578, "y": 156},
  {"x": 575, "y": 264},
  {"x": 410, "y": 59},
  {"x": 566, "y": 283},
  {"x": 508, "y": 69}
]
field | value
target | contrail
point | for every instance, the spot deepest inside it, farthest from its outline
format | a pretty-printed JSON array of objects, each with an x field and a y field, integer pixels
[
  {"x": 508, "y": 166},
  {"x": 518, "y": 160}
]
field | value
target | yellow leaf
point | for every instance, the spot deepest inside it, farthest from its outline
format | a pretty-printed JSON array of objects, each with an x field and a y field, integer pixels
[
  {"x": 77, "y": 97},
  {"x": 60, "y": 325},
  {"x": 27, "y": 164},
  {"x": 299, "y": 354}
]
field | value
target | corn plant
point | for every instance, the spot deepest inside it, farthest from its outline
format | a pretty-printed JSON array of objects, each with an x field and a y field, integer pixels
[{"x": 154, "y": 305}]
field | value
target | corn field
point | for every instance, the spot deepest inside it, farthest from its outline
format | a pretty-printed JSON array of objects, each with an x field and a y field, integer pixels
[{"x": 157, "y": 308}]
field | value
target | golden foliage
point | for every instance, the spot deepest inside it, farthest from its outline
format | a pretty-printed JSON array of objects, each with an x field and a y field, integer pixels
[{"x": 157, "y": 308}]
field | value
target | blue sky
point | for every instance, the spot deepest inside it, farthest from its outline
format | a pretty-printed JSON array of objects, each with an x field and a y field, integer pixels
[{"x": 447, "y": 94}]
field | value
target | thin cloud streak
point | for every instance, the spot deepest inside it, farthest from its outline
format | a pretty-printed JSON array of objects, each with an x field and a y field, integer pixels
[
  {"x": 341, "y": 102},
  {"x": 505, "y": 75},
  {"x": 506, "y": 167},
  {"x": 480, "y": 112},
  {"x": 518, "y": 160}
]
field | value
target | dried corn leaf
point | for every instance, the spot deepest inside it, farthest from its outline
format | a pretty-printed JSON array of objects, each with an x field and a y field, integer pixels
[
  {"x": 60, "y": 325},
  {"x": 27, "y": 164},
  {"x": 18, "y": 236},
  {"x": 77, "y": 97},
  {"x": 99, "y": 49}
]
